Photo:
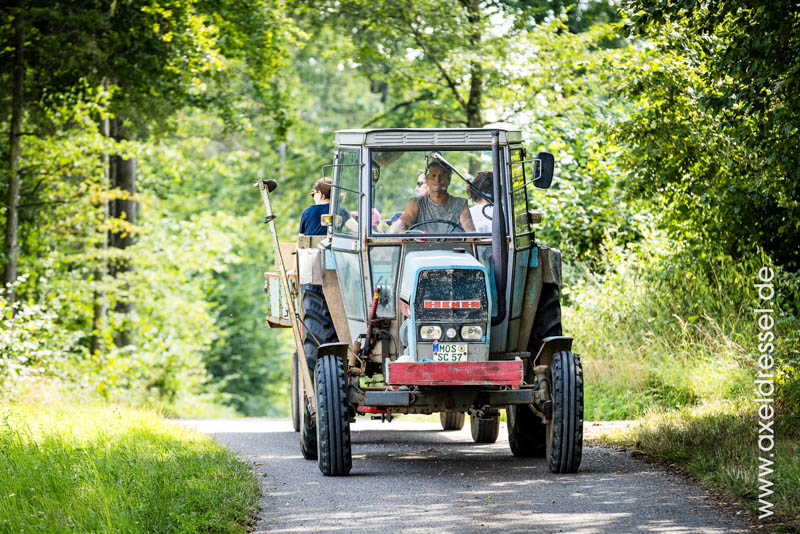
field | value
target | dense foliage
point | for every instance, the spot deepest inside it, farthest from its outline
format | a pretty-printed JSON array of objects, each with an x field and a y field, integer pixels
[
  {"x": 674, "y": 128},
  {"x": 714, "y": 137}
]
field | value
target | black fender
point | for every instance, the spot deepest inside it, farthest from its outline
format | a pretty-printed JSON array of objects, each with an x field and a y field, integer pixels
[
  {"x": 551, "y": 345},
  {"x": 333, "y": 349}
]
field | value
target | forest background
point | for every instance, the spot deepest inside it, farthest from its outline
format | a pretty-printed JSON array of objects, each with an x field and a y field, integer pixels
[{"x": 133, "y": 132}]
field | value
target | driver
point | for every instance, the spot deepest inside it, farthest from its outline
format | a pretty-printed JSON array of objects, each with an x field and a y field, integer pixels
[{"x": 438, "y": 205}]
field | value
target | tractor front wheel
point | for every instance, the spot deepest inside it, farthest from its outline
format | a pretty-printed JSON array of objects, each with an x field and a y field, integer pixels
[
  {"x": 565, "y": 430},
  {"x": 333, "y": 422},
  {"x": 485, "y": 429},
  {"x": 452, "y": 420}
]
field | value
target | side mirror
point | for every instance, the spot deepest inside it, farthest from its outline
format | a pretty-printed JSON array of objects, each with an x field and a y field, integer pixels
[
  {"x": 376, "y": 171},
  {"x": 543, "y": 170}
]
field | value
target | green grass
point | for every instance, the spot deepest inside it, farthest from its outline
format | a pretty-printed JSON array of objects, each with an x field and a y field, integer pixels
[
  {"x": 71, "y": 467},
  {"x": 629, "y": 371},
  {"x": 661, "y": 327},
  {"x": 717, "y": 442}
]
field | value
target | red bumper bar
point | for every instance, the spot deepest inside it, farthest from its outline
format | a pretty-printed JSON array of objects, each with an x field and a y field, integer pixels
[{"x": 503, "y": 373}]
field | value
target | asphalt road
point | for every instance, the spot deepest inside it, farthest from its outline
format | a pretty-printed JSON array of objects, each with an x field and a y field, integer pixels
[{"x": 413, "y": 477}]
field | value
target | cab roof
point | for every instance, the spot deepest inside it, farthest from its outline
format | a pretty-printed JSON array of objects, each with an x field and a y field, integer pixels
[{"x": 426, "y": 137}]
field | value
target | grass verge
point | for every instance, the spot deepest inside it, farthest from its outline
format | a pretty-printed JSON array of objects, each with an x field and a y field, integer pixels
[
  {"x": 717, "y": 443},
  {"x": 66, "y": 467}
]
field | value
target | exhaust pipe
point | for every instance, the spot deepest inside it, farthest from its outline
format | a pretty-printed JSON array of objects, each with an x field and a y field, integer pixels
[{"x": 499, "y": 236}]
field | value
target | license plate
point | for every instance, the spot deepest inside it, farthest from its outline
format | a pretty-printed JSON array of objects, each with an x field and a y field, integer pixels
[{"x": 450, "y": 352}]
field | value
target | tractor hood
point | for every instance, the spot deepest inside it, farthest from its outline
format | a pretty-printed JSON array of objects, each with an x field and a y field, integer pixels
[{"x": 433, "y": 259}]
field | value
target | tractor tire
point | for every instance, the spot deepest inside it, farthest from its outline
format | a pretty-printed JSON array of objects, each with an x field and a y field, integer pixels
[
  {"x": 333, "y": 423},
  {"x": 452, "y": 420},
  {"x": 485, "y": 429},
  {"x": 317, "y": 324},
  {"x": 547, "y": 321},
  {"x": 308, "y": 433},
  {"x": 565, "y": 430},
  {"x": 527, "y": 434},
  {"x": 296, "y": 393}
]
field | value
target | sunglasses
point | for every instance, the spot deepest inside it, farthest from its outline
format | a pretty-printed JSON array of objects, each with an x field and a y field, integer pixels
[
  {"x": 420, "y": 184},
  {"x": 314, "y": 192}
]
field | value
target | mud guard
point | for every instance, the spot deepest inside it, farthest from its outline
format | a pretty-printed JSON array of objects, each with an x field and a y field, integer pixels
[
  {"x": 333, "y": 349},
  {"x": 550, "y": 346}
]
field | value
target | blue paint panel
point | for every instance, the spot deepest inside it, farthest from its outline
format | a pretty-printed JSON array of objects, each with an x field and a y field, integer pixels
[
  {"x": 534, "y": 257},
  {"x": 520, "y": 272},
  {"x": 330, "y": 263}
]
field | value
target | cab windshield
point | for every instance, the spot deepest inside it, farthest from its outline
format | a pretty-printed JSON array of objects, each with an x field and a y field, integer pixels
[{"x": 417, "y": 192}]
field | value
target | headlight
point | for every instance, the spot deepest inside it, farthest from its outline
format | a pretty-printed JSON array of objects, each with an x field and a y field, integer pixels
[
  {"x": 471, "y": 332},
  {"x": 430, "y": 332}
]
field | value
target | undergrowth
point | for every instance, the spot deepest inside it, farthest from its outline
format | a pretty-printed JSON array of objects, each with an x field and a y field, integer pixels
[
  {"x": 664, "y": 326},
  {"x": 67, "y": 466}
]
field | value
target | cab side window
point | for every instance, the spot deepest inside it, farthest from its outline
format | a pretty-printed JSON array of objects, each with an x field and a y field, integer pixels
[
  {"x": 345, "y": 194},
  {"x": 519, "y": 192}
]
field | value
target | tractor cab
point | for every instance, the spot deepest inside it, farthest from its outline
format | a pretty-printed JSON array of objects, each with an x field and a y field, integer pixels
[
  {"x": 432, "y": 296},
  {"x": 375, "y": 176}
]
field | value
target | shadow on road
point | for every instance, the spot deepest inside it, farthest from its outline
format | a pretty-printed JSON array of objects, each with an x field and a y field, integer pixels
[{"x": 416, "y": 478}]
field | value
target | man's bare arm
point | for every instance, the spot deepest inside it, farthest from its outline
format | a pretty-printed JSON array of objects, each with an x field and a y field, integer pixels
[
  {"x": 407, "y": 219},
  {"x": 466, "y": 219}
]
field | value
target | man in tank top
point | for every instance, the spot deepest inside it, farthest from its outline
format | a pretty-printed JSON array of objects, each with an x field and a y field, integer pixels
[{"x": 437, "y": 204}]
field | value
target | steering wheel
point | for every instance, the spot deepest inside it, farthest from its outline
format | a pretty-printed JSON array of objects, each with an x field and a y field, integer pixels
[{"x": 456, "y": 226}]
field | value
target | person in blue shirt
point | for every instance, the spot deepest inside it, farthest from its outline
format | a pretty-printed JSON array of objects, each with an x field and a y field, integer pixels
[{"x": 310, "y": 223}]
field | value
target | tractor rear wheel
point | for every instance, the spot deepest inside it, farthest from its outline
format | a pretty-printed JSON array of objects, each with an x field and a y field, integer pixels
[
  {"x": 565, "y": 430},
  {"x": 317, "y": 324},
  {"x": 296, "y": 394},
  {"x": 452, "y": 420},
  {"x": 308, "y": 433},
  {"x": 527, "y": 434},
  {"x": 485, "y": 429},
  {"x": 333, "y": 422}
]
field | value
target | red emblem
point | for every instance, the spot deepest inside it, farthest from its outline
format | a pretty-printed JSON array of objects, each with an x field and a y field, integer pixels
[{"x": 452, "y": 304}]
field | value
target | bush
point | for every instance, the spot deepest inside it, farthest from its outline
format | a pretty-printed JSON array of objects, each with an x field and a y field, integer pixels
[
  {"x": 668, "y": 325},
  {"x": 32, "y": 344}
]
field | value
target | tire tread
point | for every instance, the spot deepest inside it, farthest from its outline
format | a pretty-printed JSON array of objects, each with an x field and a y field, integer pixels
[
  {"x": 566, "y": 447},
  {"x": 333, "y": 424}
]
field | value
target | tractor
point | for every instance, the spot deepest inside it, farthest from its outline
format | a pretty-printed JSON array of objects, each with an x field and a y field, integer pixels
[{"x": 439, "y": 315}]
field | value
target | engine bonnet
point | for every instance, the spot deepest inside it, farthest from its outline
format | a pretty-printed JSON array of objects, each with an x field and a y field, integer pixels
[{"x": 433, "y": 259}]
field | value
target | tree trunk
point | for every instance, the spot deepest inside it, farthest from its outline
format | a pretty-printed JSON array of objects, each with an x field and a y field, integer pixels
[
  {"x": 99, "y": 296},
  {"x": 282, "y": 161},
  {"x": 12, "y": 202},
  {"x": 124, "y": 179},
  {"x": 474, "y": 108}
]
